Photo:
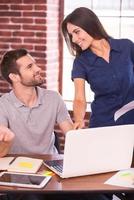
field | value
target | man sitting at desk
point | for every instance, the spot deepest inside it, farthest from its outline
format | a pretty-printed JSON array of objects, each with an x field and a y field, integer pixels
[
  {"x": 28, "y": 110},
  {"x": 29, "y": 113}
]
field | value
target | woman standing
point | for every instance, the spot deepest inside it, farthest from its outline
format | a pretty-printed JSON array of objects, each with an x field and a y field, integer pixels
[{"x": 107, "y": 64}]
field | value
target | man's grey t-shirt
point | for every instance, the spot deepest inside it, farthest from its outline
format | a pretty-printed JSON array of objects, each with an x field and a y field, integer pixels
[{"x": 33, "y": 127}]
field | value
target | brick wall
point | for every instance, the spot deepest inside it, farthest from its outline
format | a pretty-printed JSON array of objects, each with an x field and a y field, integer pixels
[{"x": 34, "y": 25}]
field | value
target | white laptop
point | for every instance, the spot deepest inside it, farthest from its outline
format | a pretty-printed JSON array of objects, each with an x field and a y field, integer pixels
[{"x": 95, "y": 150}]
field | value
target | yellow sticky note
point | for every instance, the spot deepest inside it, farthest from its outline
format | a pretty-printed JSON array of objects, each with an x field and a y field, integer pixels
[
  {"x": 25, "y": 164},
  {"x": 48, "y": 173}
]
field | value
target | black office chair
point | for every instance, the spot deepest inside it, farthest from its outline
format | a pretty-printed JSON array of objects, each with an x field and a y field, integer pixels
[{"x": 57, "y": 143}]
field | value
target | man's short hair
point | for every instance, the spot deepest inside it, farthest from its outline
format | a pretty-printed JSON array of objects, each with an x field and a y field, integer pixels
[{"x": 8, "y": 62}]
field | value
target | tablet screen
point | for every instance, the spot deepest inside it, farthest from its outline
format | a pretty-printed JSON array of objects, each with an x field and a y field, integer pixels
[{"x": 23, "y": 179}]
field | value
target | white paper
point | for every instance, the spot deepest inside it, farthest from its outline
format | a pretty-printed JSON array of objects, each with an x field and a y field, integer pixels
[
  {"x": 123, "y": 178},
  {"x": 4, "y": 162},
  {"x": 124, "y": 109}
]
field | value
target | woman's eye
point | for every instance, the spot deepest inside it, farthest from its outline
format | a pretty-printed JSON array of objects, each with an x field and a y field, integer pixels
[{"x": 77, "y": 31}]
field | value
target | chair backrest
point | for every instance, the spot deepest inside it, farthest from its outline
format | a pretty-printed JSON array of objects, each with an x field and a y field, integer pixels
[{"x": 57, "y": 143}]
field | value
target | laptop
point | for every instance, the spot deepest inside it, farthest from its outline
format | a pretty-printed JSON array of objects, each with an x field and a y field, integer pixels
[{"x": 95, "y": 150}]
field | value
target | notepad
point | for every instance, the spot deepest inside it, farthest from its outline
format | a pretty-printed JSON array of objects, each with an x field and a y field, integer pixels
[
  {"x": 5, "y": 162},
  {"x": 25, "y": 164}
]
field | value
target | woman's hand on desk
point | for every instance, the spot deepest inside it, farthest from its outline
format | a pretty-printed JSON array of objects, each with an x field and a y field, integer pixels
[{"x": 79, "y": 124}]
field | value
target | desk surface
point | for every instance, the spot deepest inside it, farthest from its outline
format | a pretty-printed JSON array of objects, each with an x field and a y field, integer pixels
[{"x": 89, "y": 183}]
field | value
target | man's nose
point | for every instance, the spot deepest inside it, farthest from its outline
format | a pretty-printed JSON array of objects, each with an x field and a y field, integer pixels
[{"x": 37, "y": 68}]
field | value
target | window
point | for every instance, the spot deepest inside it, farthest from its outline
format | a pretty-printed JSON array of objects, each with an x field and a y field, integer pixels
[{"x": 118, "y": 19}]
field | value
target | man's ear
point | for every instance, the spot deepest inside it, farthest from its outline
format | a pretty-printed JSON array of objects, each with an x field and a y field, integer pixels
[{"x": 14, "y": 77}]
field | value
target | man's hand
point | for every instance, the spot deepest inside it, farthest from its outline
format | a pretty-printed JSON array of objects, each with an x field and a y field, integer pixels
[
  {"x": 6, "y": 135},
  {"x": 6, "y": 138}
]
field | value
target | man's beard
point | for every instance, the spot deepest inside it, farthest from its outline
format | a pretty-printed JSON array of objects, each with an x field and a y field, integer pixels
[{"x": 33, "y": 82}]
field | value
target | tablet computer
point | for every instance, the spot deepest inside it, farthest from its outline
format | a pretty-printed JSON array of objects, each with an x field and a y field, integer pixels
[{"x": 23, "y": 180}]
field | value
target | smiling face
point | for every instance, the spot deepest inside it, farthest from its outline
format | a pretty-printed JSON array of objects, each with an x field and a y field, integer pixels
[
  {"x": 29, "y": 72},
  {"x": 79, "y": 36}
]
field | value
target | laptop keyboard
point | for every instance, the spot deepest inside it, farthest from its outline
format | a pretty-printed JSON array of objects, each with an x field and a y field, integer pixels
[{"x": 56, "y": 164}]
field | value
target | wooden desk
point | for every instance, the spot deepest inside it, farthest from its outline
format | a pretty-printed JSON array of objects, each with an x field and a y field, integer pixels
[{"x": 84, "y": 184}]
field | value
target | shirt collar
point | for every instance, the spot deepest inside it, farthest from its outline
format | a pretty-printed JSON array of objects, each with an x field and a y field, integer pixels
[
  {"x": 91, "y": 57},
  {"x": 114, "y": 45},
  {"x": 18, "y": 103}
]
